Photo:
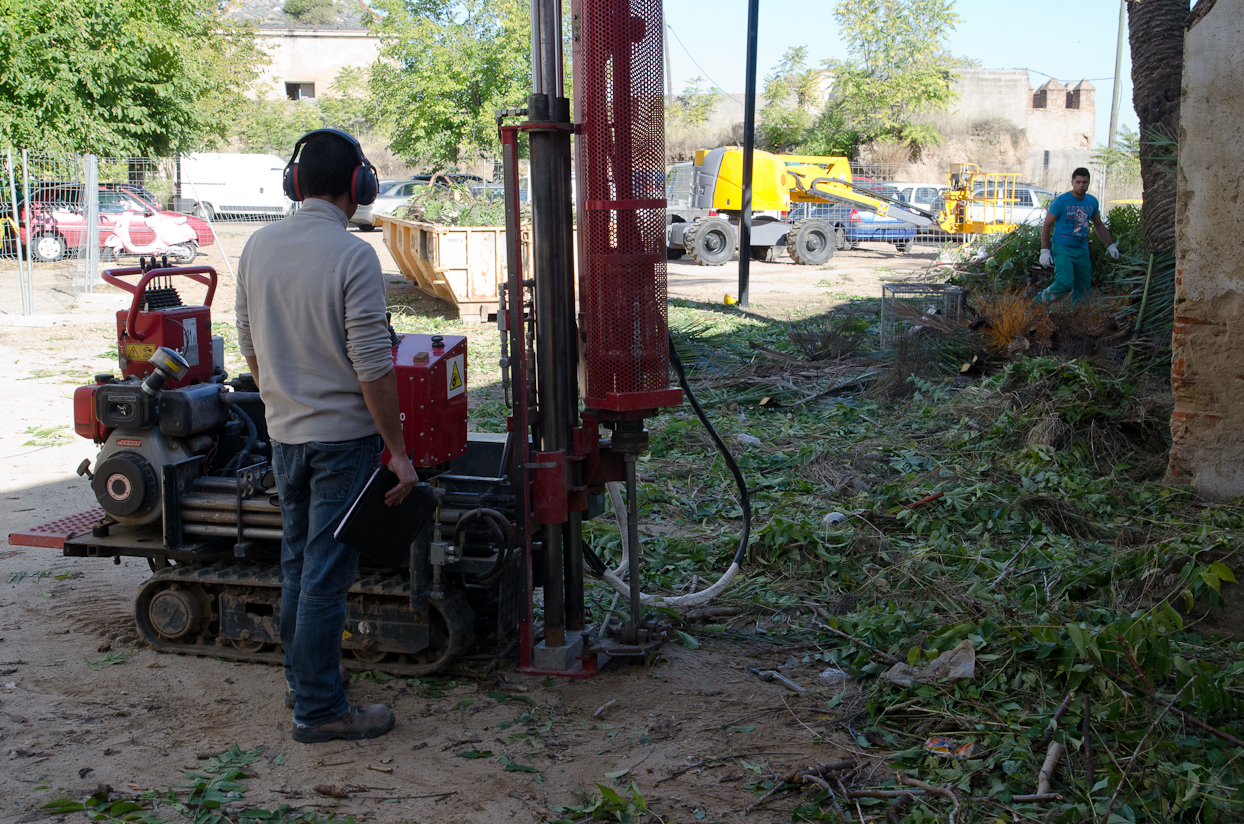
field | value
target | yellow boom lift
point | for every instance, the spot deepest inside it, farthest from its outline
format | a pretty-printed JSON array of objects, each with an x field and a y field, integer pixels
[{"x": 706, "y": 205}]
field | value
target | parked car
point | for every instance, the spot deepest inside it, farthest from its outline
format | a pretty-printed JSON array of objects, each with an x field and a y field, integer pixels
[
  {"x": 854, "y": 226},
  {"x": 923, "y": 195},
  {"x": 394, "y": 194},
  {"x": 55, "y": 222}
]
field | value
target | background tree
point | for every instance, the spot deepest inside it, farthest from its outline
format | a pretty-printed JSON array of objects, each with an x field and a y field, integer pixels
[
  {"x": 1156, "y": 36},
  {"x": 793, "y": 98},
  {"x": 445, "y": 67},
  {"x": 120, "y": 77},
  {"x": 899, "y": 67}
]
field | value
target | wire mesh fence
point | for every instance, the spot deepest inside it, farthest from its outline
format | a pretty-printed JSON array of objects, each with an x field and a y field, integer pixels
[{"x": 64, "y": 216}]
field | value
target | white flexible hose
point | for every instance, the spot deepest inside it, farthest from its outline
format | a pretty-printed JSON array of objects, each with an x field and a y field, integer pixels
[{"x": 614, "y": 577}]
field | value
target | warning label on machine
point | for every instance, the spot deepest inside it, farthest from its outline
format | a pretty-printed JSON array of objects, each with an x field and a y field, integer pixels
[{"x": 455, "y": 375}]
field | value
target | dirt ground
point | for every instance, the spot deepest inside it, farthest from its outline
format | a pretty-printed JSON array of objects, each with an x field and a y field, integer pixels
[{"x": 69, "y": 723}]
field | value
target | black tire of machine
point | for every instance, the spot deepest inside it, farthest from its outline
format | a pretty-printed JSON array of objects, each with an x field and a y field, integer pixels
[
  {"x": 810, "y": 242},
  {"x": 367, "y": 227},
  {"x": 710, "y": 241}
]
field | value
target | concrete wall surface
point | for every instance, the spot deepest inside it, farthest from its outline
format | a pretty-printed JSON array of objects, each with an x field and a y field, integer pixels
[
  {"x": 988, "y": 94},
  {"x": 1207, "y": 373},
  {"x": 314, "y": 57}
]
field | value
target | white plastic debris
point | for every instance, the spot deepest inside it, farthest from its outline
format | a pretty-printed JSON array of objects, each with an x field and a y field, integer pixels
[
  {"x": 835, "y": 676},
  {"x": 834, "y": 519},
  {"x": 748, "y": 439}
]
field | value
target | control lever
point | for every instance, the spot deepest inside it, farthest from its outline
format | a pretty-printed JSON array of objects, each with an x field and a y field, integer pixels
[{"x": 84, "y": 468}]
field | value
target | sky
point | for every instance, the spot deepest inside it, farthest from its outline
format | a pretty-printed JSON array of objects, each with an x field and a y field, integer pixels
[{"x": 1067, "y": 39}]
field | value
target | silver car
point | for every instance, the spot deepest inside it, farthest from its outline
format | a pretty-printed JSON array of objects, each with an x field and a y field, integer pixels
[{"x": 394, "y": 194}]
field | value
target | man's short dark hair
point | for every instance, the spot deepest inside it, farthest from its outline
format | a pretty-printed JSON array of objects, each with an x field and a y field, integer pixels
[
  {"x": 1081, "y": 172},
  {"x": 325, "y": 165}
]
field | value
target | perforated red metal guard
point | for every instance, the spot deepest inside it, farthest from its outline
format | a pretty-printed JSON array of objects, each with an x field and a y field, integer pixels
[
  {"x": 54, "y": 534},
  {"x": 620, "y": 144}
]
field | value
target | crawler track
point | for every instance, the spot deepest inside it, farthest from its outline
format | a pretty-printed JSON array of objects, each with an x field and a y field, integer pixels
[{"x": 232, "y": 610}]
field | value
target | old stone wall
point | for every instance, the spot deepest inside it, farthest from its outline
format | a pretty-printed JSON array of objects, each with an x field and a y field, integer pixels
[{"x": 1207, "y": 375}]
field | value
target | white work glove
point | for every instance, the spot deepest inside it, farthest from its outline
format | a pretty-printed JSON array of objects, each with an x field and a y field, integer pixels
[
  {"x": 1047, "y": 259},
  {"x": 1113, "y": 250}
]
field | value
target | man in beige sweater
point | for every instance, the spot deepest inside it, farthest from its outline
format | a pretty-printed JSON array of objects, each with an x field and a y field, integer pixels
[{"x": 311, "y": 325}]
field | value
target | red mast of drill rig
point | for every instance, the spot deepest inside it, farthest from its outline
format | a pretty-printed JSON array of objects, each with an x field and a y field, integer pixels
[{"x": 611, "y": 348}]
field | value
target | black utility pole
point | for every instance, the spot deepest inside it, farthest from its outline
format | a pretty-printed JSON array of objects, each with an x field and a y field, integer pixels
[{"x": 749, "y": 141}]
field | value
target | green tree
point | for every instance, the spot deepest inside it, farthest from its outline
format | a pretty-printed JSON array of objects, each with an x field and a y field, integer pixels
[
  {"x": 311, "y": 11},
  {"x": 693, "y": 107},
  {"x": 445, "y": 67},
  {"x": 120, "y": 77},
  {"x": 793, "y": 99},
  {"x": 347, "y": 105},
  {"x": 270, "y": 126},
  {"x": 898, "y": 67}
]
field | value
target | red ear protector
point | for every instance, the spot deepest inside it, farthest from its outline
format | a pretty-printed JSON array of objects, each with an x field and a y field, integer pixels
[{"x": 364, "y": 182}]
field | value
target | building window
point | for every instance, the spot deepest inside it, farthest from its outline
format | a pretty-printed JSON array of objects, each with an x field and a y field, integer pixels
[{"x": 300, "y": 91}]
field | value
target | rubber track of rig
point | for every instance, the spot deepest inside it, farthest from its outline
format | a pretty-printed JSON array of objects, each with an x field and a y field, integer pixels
[{"x": 453, "y": 607}]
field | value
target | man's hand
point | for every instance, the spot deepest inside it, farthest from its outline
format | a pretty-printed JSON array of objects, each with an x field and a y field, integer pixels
[
  {"x": 400, "y": 466},
  {"x": 1113, "y": 250},
  {"x": 1047, "y": 259}
]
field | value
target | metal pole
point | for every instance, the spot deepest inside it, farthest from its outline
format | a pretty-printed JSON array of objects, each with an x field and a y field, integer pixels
[
  {"x": 537, "y": 75},
  {"x": 749, "y": 142},
  {"x": 669, "y": 74},
  {"x": 26, "y": 299},
  {"x": 1118, "y": 70},
  {"x": 30, "y": 275},
  {"x": 90, "y": 191}
]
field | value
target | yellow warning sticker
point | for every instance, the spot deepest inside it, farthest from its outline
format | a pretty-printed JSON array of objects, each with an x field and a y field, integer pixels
[
  {"x": 455, "y": 372},
  {"x": 139, "y": 351}
]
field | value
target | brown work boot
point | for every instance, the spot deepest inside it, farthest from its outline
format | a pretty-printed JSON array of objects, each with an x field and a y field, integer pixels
[
  {"x": 358, "y": 722},
  {"x": 342, "y": 673}
]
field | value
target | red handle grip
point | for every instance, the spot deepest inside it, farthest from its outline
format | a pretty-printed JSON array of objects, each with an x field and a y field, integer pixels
[{"x": 195, "y": 273}]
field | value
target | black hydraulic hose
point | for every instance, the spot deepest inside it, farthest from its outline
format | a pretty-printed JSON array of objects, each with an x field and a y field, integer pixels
[
  {"x": 252, "y": 434},
  {"x": 744, "y": 499}
]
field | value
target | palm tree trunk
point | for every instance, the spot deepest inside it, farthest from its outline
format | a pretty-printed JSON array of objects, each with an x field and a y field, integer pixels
[{"x": 1156, "y": 35}]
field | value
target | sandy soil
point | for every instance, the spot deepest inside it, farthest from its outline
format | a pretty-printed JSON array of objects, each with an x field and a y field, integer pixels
[{"x": 66, "y": 727}]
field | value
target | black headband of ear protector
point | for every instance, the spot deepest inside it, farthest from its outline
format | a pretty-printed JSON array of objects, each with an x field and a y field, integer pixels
[{"x": 364, "y": 182}]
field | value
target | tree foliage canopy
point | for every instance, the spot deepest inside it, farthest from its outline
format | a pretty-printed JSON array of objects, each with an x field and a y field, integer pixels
[
  {"x": 898, "y": 67},
  {"x": 445, "y": 67},
  {"x": 120, "y": 77},
  {"x": 793, "y": 98}
]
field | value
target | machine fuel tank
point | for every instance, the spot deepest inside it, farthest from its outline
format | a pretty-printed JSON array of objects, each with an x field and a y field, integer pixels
[{"x": 432, "y": 398}]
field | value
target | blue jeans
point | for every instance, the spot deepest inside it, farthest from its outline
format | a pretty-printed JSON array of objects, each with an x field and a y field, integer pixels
[
  {"x": 1072, "y": 273},
  {"x": 317, "y": 483}
]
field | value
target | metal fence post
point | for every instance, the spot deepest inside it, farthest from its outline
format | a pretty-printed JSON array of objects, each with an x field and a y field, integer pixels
[
  {"x": 90, "y": 197},
  {"x": 27, "y": 297},
  {"x": 30, "y": 277}
]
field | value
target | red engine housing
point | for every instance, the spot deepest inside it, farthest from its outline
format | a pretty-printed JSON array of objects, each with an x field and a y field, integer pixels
[
  {"x": 85, "y": 422},
  {"x": 432, "y": 398},
  {"x": 184, "y": 329}
]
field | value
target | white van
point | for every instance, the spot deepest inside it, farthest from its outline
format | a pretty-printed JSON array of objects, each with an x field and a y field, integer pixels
[{"x": 233, "y": 185}]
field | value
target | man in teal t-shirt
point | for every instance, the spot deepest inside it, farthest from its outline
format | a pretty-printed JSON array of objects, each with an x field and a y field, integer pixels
[{"x": 1069, "y": 216}]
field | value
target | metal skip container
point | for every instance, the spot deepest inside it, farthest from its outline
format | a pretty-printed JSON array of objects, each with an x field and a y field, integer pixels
[{"x": 463, "y": 265}]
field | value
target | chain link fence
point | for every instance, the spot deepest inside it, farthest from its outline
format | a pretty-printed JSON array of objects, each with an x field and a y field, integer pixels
[
  {"x": 917, "y": 200},
  {"x": 67, "y": 216}
]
